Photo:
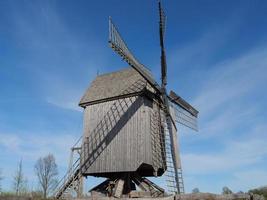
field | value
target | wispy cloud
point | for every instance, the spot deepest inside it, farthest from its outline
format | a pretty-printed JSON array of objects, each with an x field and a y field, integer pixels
[
  {"x": 226, "y": 100},
  {"x": 225, "y": 93},
  {"x": 236, "y": 155},
  {"x": 231, "y": 80},
  {"x": 29, "y": 148},
  {"x": 32, "y": 146},
  {"x": 68, "y": 97},
  {"x": 6, "y": 140},
  {"x": 240, "y": 165},
  {"x": 230, "y": 98},
  {"x": 255, "y": 177}
]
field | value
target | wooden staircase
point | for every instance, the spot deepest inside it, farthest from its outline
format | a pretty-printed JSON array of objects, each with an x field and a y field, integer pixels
[{"x": 69, "y": 181}]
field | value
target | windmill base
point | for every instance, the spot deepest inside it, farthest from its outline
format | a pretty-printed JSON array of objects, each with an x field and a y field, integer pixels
[{"x": 126, "y": 186}]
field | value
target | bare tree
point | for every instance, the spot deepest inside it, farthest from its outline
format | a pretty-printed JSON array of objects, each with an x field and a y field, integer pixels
[
  {"x": 20, "y": 182},
  {"x": 46, "y": 171}
]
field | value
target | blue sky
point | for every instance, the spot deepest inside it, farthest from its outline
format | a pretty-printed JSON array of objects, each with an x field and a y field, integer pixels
[{"x": 217, "y": 59}]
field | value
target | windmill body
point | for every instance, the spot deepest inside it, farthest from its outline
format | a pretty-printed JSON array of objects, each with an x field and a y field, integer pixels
[{"x": 122, "y": 130}]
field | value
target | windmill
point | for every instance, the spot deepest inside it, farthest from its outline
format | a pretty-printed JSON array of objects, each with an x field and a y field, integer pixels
[
  {"x": 130, "y": 129},
  {"x": 183, "y": 112}
]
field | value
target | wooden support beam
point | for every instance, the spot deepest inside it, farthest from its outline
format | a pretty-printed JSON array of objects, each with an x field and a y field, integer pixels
[{"x": 119, "y": 188}]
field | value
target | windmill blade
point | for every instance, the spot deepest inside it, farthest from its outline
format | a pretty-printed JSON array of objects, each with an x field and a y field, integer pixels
[
  {"x": 182, "y": 103},
  {"x": 119, "y": 46},
  {"x": 183, "y": 117},
  {"x": 182, "y": 112}
]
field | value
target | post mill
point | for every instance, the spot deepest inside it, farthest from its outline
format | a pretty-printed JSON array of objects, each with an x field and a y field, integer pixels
[{"x": 130, "y": 130}]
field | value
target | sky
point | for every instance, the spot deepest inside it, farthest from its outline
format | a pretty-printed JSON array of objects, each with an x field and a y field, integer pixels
[{"x": 50, "y": 51}]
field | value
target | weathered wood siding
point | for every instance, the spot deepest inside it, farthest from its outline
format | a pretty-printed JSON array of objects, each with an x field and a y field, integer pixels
[{"x": 118, "y": 137}]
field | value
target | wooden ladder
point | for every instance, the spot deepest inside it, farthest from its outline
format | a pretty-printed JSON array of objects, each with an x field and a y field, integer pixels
[{"x": 174, "y": 186}]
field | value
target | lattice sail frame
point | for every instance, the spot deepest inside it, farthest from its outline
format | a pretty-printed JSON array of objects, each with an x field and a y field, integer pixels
[
  {"x": 183, "y": 117},
  {"x": 118, "y": 45}
]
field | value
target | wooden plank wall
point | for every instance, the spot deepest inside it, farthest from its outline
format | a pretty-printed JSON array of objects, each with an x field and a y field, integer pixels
[{"x": 126, "y": 141}]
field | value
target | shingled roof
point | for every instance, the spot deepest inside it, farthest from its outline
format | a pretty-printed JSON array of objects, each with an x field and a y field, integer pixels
[{"x": 115, "y": 84}]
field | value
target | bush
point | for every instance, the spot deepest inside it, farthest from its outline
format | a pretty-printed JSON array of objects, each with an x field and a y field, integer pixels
[{"x": 260, "y": 191}]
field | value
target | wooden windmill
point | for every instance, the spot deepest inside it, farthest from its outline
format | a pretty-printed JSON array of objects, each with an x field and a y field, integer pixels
[{"x": 129, "y": 128}]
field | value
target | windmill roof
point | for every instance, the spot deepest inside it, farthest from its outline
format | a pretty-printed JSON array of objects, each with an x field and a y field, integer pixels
[{"x": 115, "y": 84}]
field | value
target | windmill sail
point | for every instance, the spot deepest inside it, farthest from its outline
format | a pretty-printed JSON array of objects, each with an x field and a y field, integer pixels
[
  {"x": 183, "y": 104},
  {"x": 174, "y": 175},
  {"x": 183, "y": 113},
  {"x": 120, "y": 47},
  {"x": 183, "y": 117}
]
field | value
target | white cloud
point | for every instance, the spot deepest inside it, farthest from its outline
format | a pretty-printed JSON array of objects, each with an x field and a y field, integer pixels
[
  {"x": 29, "y": 148},
  {"x": 231, "y": 117},
  {"x": 230, "y": 81},
  {"x": 255, "y": 177},
  {"x": 67, "y": 98},
  {"x": 10, "y": 142},
  {"x": 64, "y": 103},
  {"x": 32, "y": 146},
  {"x": 237, "y": 154},
  {"x": 225, "y": 97}
]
